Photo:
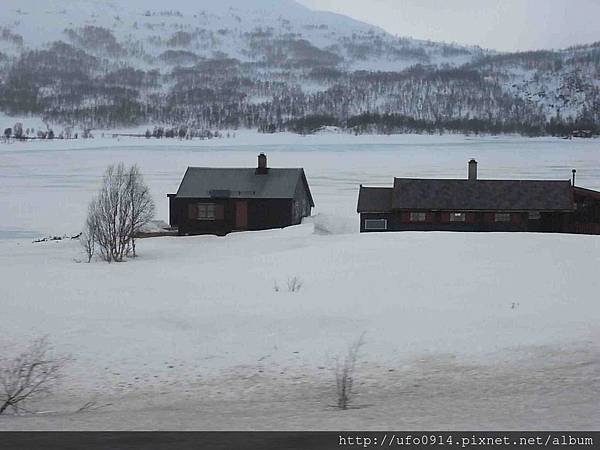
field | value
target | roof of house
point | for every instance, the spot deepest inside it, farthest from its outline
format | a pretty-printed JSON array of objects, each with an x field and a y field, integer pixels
[
  {"x": 465, "y": 195},
  {"x": 375, "y": 199},
  {"x": 209, "y": 182},
  {"x": 518, "y": 195},
  {"x": 586, "y": 192}
]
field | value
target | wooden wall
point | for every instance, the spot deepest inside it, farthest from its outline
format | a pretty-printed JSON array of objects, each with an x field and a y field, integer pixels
[{"x": 474, "y": 221}]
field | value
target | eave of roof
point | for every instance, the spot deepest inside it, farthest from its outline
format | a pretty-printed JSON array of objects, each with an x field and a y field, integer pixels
[{"x": 586, "y": 192}]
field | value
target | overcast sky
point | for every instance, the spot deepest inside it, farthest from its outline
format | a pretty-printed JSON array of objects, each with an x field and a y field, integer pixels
[{"x": 499, "y": 24}]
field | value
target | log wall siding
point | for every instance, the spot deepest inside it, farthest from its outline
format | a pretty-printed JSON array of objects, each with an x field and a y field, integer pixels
[
  {"x": 263, "y": 214},
  {"x": 549, "y": 222}
]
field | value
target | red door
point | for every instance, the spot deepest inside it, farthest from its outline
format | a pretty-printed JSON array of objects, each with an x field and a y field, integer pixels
[{"x": 241, "y": 215}]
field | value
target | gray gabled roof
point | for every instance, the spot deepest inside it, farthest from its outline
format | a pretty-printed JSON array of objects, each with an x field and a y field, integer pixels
[
  {"x": 516, "y": 195},
  {"x": 375, "y": 199},
  {"x": 209, "y": 182}
]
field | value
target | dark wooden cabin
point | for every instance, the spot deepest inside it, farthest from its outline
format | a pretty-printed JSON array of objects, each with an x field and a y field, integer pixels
[
  {"x": 479, "y": 205},
  {"x": 222, "y": 200},
  {"x": 582, "y": 134}
]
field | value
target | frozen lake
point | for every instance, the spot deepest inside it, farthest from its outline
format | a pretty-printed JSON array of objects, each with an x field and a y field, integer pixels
[{"x": 45, "y": 186}]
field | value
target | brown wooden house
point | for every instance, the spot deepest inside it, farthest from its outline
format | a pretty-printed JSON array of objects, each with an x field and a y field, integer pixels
[
  {"x": 222, "y": 200},
  {"x": 479, "y": 205}
]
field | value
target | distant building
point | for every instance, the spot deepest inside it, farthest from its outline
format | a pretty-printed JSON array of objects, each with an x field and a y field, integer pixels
[
  {"x": 582, "y": 133},
  {"x": 479, "y": 205},
  {"x": 222, "y": 200}
]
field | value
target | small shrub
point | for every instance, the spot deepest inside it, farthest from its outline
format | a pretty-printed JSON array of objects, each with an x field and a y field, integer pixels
[
  {"x": 345, "y": 374},
  {"x": 29, "y": 376},
  {"x": 294, "y": 284}
]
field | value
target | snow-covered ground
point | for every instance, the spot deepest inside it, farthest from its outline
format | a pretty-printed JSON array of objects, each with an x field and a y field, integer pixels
[{"x": 461, "y": 330}]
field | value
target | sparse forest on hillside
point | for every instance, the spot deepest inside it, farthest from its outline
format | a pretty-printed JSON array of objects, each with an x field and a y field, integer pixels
[{"x": 228, "y": 72}]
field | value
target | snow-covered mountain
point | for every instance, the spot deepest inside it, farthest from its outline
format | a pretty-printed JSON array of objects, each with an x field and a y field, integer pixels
[
  {"x": 245, "y": 30},
  {"x": 271, "y": 64}
]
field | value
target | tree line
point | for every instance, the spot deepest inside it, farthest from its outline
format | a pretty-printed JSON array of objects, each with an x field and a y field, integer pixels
[{"x": 66, "y": 85}]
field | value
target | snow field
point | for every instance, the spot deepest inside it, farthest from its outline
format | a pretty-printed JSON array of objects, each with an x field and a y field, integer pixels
[
  {"x": 461, "y": 330},
  {"x": 192, "y": 311}
]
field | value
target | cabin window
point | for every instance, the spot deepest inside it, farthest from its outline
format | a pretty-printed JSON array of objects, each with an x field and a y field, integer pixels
[
  {"x": 458, "y": 217},
  {"x": 535, "y": 215},
  {"x": 418, "y": 217},
  {"x": 206, "y": 211},
  {"x": 375, "y": 224},
  {"x": 502, "y": 217}
]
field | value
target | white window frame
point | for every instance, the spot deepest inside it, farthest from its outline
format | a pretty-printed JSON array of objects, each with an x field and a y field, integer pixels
[
  {"x": 416, "y": 216},
  {"x": 458, "y": 217},
  {"x": 207, "y": 211},
  {"x": 376, "y": 228},
  {"x": 502, "y": 217}
]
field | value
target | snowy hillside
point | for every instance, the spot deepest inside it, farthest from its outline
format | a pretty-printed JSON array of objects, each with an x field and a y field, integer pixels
[
  {"x": 274, "y": 65},
  {"x": 237, "y": 29}
]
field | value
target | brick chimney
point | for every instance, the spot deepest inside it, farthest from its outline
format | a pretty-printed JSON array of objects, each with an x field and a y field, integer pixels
[
  {"x": 262, "y": 164},
  {"x": 472, "y": 170}
]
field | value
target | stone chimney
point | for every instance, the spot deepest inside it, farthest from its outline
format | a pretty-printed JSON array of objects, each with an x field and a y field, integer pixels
[
  {"x": 262, "y": 164},
  {"x": 472, "y": 170}
]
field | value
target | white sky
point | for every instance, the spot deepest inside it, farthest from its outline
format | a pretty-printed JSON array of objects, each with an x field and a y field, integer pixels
[{"x": 507, "y": 25}]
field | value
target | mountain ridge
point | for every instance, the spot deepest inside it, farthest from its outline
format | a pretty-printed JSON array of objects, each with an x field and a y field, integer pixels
[{"x": 273, "y": 66}]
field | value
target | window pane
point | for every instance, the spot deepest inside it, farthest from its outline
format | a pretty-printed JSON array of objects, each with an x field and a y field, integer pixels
[
  {"x": 210, "y": 211},
  {"x": 417, "y": 217},
  {"x": 502, "y": 217},
  {"x": 535, "y": 215},
  {"x": 375, "y": 224},
  {"x": 457, "y": 217},
  {"x": 206, "y": 211}
]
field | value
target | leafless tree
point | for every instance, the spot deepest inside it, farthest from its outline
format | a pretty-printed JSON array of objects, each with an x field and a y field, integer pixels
[
  {"x": 110, "y": 211},
  {"x": 345, "y": 374},
  {"x": 18, "y": 130},
  {"x": 122, "y": 206},
  {"x": 141, "y": 203},
  {"x": 29, "y": 376}
]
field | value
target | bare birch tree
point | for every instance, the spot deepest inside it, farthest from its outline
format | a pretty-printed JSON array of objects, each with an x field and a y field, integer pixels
[
  {"x": 110, "y": 211},
  {"x": 88, "y": 235},
  {"x": 123, "y": 205},
  {"x": 140, "y": 203}
]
